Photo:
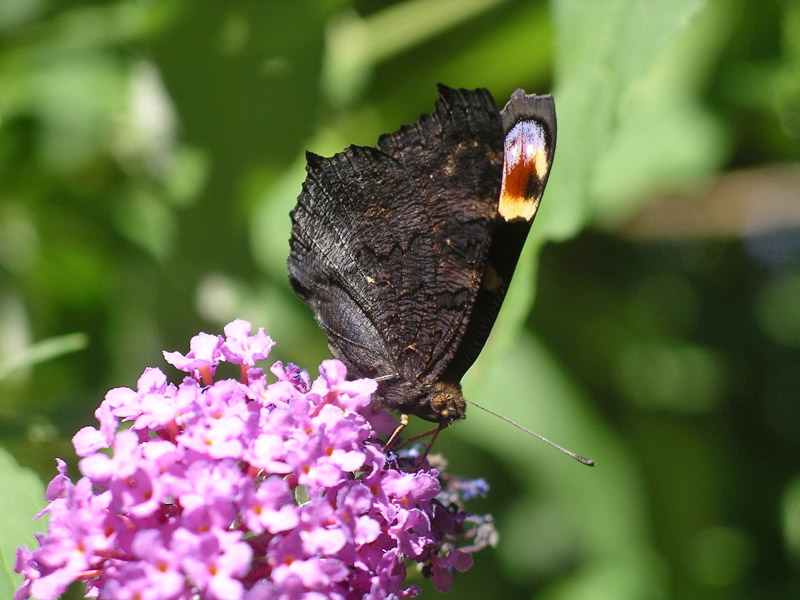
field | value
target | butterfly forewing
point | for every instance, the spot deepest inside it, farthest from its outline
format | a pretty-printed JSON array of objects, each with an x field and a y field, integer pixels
[{"x": 508, "y": 236}]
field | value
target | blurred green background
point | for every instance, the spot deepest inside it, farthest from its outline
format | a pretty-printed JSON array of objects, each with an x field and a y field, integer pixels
[{"x": 150, "y": 153}]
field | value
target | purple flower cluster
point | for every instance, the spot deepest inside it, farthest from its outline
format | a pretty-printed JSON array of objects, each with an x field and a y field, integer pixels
[{"x": 243, "y": 489}]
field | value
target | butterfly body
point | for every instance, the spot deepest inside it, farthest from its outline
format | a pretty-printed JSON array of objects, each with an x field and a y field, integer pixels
[{"x": 405, "y": 250}]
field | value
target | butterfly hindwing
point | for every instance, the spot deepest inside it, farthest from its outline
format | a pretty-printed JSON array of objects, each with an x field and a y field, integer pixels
[
  {"x": 388, "y": 242},
  {"x": 358, "y": 281}
]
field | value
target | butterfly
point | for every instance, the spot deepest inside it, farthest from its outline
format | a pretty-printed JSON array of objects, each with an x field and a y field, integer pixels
[{"x": 405, "y": 250}]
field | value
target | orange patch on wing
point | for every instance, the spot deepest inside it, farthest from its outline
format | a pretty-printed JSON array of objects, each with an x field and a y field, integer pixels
[{"x": 524, "y": 157}]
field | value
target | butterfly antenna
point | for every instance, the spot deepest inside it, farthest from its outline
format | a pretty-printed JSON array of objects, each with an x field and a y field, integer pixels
[{"x": 581, "y": 459}]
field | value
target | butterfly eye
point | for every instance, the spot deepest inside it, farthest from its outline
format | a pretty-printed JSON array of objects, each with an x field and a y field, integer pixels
[{"x": 439, "y": 404}]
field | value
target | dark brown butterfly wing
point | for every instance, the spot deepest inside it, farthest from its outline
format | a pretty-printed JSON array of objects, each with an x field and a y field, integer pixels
[{"x": 388, "y": 243}]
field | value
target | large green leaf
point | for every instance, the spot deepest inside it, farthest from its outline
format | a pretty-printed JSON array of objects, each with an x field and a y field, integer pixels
[
  {"x": 21, "y": 497},
  {"x": 603, "y": 49}
]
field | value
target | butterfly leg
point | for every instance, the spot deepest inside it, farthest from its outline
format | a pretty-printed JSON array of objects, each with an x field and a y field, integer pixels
[
  {"x": 434, "y": 433},
  {"x": 396, "y": 433},
  {"x": 430, "y": 445}
]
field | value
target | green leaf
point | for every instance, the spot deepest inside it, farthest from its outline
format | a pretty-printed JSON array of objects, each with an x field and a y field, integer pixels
[
  {"x": 602, "y": 49},
  {"x": 355, "y": 45},
  {"x": 43, "y": 351},
  {"x": 21, "y": 497}
]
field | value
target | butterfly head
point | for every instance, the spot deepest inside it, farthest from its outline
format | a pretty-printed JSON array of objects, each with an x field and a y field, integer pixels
[
  {"x": 446, "y": 402},
  {"x": 439, "y": 402}
]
